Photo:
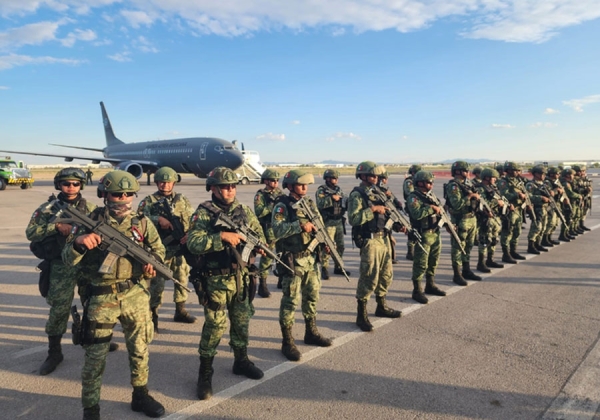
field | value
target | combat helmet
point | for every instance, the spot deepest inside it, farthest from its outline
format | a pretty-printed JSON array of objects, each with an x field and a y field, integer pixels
[
  {"x": 413, "y": 169},
  {"x": 553, "y": 170},
  {"x": 381, "y": 172},
  {"x": 423, "y": 176},
  {"x": 477, "y": 171},
  {"x": 459, "y": 165},
  {"x": 269, "y": 174},
  {"x": 566, "y": 172},
  {"x": 166, "y": 174},
  {"x": 489, "y": 173},
  {"x": 511, "y": 166},
  {"x": 69, "y": 174},
  {"x": 366, "y": 168},
  {"x": 297, "y": 176},
  {"x": 331, "y": 173},
  {"x": 499, "y": 167},
  {"x": 538, "y": 169},
  {"x": 576, "y": 168},
  {"x": 220, "y": 176},
  {"x": 119, "y": 182}
]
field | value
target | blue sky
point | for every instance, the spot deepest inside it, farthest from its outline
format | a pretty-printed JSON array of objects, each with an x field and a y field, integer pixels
[{"x": 389, "y": 81}]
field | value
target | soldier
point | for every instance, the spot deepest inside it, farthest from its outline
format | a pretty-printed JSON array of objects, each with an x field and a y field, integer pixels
[
  {"x": 170, "y": 213},
  {"x": 225, "y": 278},
  {"x": 382, "y": 183},
  {"x": 583, "y": 187},
  {"x": 500, "y": 169},
  {"x": 367, "y": 215},
  {"x": 491, "y": 223},
  {"x": 264, "y": 201},
  {"x": 51, "y": 238},
  {"x": 407, "y": 188},
  {"x": 537, "y": 192},
  {"x": 121, "y": 295},
  {"x": 511, "y": 187},
  {"x": 558, "y": 195},
  {"x": 88, "y": 176},
  {"x": 462, "y": 200},
  {"x": 332, "y": 204},
  {"x": 425, "y": 217},
  {"x": 294, "y": 233},
  {"x": 476, "y": 172},
  {"x": 574, "y": 197}
]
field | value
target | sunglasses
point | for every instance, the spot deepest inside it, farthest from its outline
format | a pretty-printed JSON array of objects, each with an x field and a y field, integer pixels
[
  {"x": 121, "y": 194},
  {"x": 70, "y": 184},
  {"x": 227, "y": 187}
]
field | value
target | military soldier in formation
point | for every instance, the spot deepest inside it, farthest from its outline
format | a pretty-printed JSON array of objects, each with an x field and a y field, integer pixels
[
  {"x": 462, "y": 201},
  {"x": 51, "y": 238},
  {"x": 571, "y": 231},
  {"x": 264, "y": 201},
  {"x": 382, "y": 183},
  {"x": 121, "y": 295},
  {"x": 88, "y": 176},
  {"x": 407, "y": 188},
  {"x": 512, "y": 188},
  {"x": 425, "y": 217},
  {"x": 476, "y": 180},
  {"x": 225, "y": 279},
  {"x": 293, "y": 232},
  {"x": 162, "y": 207},
  {"x": 540, "y": 199},
  {"x": 558, "y": 195},
  {"x": 584, "y": 187},
  {"x": 367, "y": 215}
]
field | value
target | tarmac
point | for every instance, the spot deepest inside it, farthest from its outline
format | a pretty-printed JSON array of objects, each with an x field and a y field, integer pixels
[{"x": 521, "y": 344}]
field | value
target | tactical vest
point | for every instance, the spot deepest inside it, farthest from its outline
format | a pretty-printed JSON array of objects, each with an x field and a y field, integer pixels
[
  {"x": 377, "y": 224},
  {"x": 295, "y": 243},
  {"x": 405, "y": 189},
  {"x": 426, "y": 223},
  {"x": 465, "y": 189},
  {"x": 265, "y": 221},
  {"x": 164, "y": 233},
  {"x": 335, "y": 212}
]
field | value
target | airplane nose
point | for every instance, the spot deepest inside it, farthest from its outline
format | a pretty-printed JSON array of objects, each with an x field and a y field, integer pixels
[{"x": 234, "y": 159}]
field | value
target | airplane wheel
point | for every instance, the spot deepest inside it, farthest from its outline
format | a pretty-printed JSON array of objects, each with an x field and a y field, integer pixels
[
  {"x": 2, "y": 184},
  {"x": 244, "y": 181}
]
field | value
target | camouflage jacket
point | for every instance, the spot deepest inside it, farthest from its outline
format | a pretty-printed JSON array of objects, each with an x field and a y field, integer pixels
[
  {"x": 264, "y": 201},
  {"x": 509, "y": 187},
  {"x": 533, "y": 189},
  {"x": 360, "y": 213},
  {"x": 573, "y": 196},
  {"x": 422, "y": 215},
  {"x": 457, "y": 198},
  {"x": 330, "y": 209},
  {"x": 408, "y": 186},
  {"x": 286, "y": 225}
]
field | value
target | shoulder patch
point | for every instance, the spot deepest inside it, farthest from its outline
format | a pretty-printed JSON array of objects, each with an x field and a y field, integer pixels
[
  {"x": 195, "y": 218},
  {"x": 142, "y": 205}
]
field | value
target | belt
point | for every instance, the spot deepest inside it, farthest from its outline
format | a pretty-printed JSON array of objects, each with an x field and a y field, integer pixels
[
  {"x": 112, "y": 289},
  {"x": 380, "y": 234},
  {"x": 303, "y": 254},
  {"x": 468, "y": 215},
  {"x": 218, "y": 272}
]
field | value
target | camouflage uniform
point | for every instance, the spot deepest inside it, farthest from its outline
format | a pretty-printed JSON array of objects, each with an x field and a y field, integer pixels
[
  {"x": 407, "y": 188},
  {"x": 540, "y": 207},
  {"x": 175, "y": 260},
  {"x": 554, "y": 187},
  {"x": 490, "y": 226},
  {"x": 462, "y": 212},
  {"x": 509, "y": 186},
  {"x": 332, "y": 213},
  {"x": 575, "y": 200},
  {"x": 264, "y": 201}
]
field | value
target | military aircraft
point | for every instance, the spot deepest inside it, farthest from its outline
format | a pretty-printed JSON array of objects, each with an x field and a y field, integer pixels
[{"x": 195, "y": 155}]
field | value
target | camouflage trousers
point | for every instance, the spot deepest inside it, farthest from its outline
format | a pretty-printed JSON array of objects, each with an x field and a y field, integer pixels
[
  {"x": 335, "y": 229},
  {"x": 576, "y": 215},
  {"x": 488, "y": 235},
  {"x": 60, "y": 297},
  {"x": 305, "y": 283},
  {"x": 265, "y": 263},
  {"x": 181, "y": 272},
  {"x": 132, "y": 309},
  {"x": 426, "y": 263},
  {"x": 511, "y": 229},
  {"x": 552, "y": 222},
  {"x": 466, "y": 231},
  {"x": 537, "y": 228},
  {"x": 376, "y": 272},
  {"x": 223, "y": 296}
]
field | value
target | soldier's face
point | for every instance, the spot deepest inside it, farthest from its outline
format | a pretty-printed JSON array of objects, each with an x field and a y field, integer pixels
[
  {"x": 539, "y": 176},
  {"x": 70, "y": 188},
  {"x": 225, "y": 192},
  {"x": 300, "y": 189},
  {"x": 331, "y": 181},
  {"x": 426, "y": 186},
  {"x": 165, "y": 188},
  {"x": 271, "y": 184},
  {"x": 369, "y": 179}
]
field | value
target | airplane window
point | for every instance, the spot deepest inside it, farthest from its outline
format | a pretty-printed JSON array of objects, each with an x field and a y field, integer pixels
[{"x": 218, "y": 148}]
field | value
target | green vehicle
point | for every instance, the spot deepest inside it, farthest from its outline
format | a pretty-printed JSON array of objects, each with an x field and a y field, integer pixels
[{"x": 13, "y": 173}]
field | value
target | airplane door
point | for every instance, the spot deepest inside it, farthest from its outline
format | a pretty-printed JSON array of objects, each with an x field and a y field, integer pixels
[{"x": 203, "y": 147}]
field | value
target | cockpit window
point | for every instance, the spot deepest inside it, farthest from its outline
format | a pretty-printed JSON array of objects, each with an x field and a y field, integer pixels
[{"x": 219, "y": 148}]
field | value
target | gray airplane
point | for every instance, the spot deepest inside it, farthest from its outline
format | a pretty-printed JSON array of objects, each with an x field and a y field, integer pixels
[{"x": 195, "y": 155}]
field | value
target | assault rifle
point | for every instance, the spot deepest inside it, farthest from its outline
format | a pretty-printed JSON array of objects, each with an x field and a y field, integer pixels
[
  {"x": 331, "y": 191},
  {"x": 320, "y": 235},
  {"x": 546, "y": 193},
  {"x": 527, "y": 204},
  {"x": 445, "y": 220},
  {"x": 498, "y": 197},
  {"x": 115, "y": 243},
  {"x": 249, "y": 237},
  {"x": 396, "y": 217},
  {"x": 178, "y": 230}
]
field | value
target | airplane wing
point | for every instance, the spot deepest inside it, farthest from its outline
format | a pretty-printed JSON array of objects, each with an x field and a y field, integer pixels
[
  {"x": 146, "y": 164},
  {"x": 78, "y": 147}
]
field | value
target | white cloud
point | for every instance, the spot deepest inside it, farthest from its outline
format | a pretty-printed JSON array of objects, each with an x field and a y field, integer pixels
[
  {"x": 295, "y": 122},
  {"x": 551, "y": 111},
  {"x": 32, "y": 34},
  {"x": 4, "y": 88},
  {"x": 404, "y": 138},
  {"x": 502, "y": 126},
  {"x": 271, "y": 137},
  {"x": 142, "y": 44},
  {"x": 78, "y": 35},
  {"x": 543, "y": 125},
  {"x": 344, "y": 136},
  {"x": 578, "y": 104},
  {"x": 121, "y": 57},
  {"x": 15, "y": 60},
  {"x": 137, "y": 18}
]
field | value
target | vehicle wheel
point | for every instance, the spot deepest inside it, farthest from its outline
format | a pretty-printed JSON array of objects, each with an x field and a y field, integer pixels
[
  {"x": 2, "y": 184},
  {"x": 24, "y": 185},
  {"x": 244, "y": 181}
]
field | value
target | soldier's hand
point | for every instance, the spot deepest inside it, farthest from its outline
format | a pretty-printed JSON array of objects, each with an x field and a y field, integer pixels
[
  {"x": 521, "y": 195},
  {"x": 64, "y": 229},
  {"x": 474, "y": 196},
  {"x": 436, "y": 209},
  {"x": 164, "y": 223},
  {"x": 545, "y": 199},
  {"x": 260, "y": 251},
  {"x": 308, "y": 227},
  {"x": 378, "y": 209},
  {"x": 501, "y": 203},
  {"x": 231, "y": 237},
  {"x": 88, "y": 241},
  {"x": 336, "y": 197},
  {"x": 183, "y": 240},
  {"x": 149, "y": 270}
]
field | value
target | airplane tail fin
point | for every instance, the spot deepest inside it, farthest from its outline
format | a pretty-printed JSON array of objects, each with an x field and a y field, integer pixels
[{"x": 111, "y": 140}]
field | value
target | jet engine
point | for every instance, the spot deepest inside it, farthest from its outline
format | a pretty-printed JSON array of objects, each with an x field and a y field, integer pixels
[{"x": 133, "y": 168}]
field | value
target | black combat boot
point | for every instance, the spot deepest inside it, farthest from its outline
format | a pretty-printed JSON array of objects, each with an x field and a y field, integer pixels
[
  {"x": 55, "y": 355},
  {"x": 583, "y": 227},
  {"x": 155, "y": 319},
  {"x": 338, "y": 270},
  {"x": 362, "y": 318},
  {"x": 263, "y": 290},
  {"x": 468, "y": 274},
  {"x": 91, "y": 413},
  {"x": 563, "y": 236},
  {"x": 417, "y": 293},
  {"x": 312, "y": 336},
  {"x": 288, "y": 346},
  {"x": 490, "y": 261},
  {"x": 279, "y": 284},
  {"x": 385, "y": 311},
  {"x": 431, "y": 288},
  {"x": 546, "y": 241},
  {"x": 142, "y": 401},
  {"x": 514, "y": 254},
  {"x": 572, "y": 234},
  {"x": 531, "y": 248},
  {"x": 243, "y": 366},
  {"x": 324, "y": 273},
  {"x": 539, "y": 247},
  {"x": 579, "y": 230},
  {"x": 458, "y": 278},
  {"x": 204, "y": 386},
  {"x": 552, "y": 240},
  {"x": 481, "y": 265},
  {"x": 506, "y": 257},
  {"x": 113, "y": 347},
  {"x": 410, "y": 253},
  {"x": 182, "y": 315}
]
